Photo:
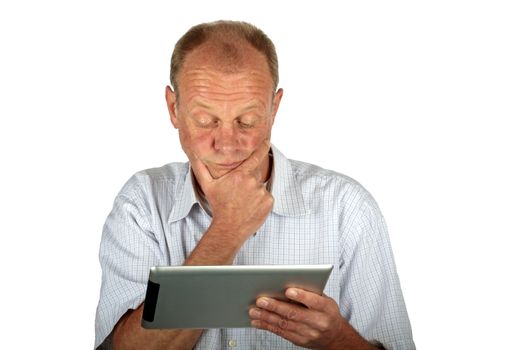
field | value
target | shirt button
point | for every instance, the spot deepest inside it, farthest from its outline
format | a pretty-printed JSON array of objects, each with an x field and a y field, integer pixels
[{"x": 232, "y": 343}]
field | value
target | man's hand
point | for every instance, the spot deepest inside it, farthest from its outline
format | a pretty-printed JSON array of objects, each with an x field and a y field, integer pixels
[
  {"x": 316, "y": 325},
  {"x": 238, "y": 200}
]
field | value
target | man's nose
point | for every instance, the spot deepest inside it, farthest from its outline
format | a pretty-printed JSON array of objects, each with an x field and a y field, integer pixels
[{"x": 226, "y": 138}]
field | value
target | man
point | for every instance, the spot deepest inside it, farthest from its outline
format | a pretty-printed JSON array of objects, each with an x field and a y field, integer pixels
[{"x": 240, "y": 201}]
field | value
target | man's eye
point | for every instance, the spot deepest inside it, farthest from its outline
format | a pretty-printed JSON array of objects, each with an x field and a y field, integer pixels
[
  {"x": 245, "y": 125},
  {"x": 205, "y": 123}
]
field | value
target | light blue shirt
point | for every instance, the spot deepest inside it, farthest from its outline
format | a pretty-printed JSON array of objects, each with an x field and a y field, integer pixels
[{"x": 318, "y": 217}]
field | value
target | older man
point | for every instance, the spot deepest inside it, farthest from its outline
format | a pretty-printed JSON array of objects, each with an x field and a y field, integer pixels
[{"x": 240, "y": 201}]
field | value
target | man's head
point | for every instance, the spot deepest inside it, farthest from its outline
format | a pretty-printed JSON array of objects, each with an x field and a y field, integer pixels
[
  {"x": 224, "y": 99},
  {"x": 223, "y": 32}
]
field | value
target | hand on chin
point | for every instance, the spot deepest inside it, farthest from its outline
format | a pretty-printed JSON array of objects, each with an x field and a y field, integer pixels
[{"x": 218, "y": 171}]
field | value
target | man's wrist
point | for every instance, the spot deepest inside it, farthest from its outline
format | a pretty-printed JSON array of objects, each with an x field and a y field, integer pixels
[
  {"x": 225, "y": 233},
  {"x": 217, "y": 247},
  {"x": 349, "y": 338}
]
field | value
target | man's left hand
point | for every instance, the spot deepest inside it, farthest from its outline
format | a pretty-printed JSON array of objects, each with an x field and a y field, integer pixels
[{"x": 318, "y": 324}]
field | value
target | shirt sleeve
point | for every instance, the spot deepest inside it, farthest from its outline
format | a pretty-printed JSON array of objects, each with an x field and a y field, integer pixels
[
  {"x": 127, "y": 251},
  {"x": 371, "y": 296}
]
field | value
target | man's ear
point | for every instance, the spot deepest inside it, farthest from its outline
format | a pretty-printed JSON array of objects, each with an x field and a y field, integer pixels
[
  {"x": 276, "y": 102},
  {"x": 171, "y": 101}
]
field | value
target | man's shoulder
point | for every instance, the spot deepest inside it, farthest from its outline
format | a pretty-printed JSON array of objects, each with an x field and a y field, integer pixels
[
  {"x": 307, "y": 172},
  {"x": 317, "y": 181},
  {"x": 320, "y": 186},
  {"x": 171, "y": 174}
]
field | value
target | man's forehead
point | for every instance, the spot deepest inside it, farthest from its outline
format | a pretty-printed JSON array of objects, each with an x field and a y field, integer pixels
[
  {"x": 200, "y": 102},
  {"x": 226, "y": 57},
  {"x": 210, "y": 93},
  {"x": 206, "y": 75},
  {"x": 203, "y": 75}
]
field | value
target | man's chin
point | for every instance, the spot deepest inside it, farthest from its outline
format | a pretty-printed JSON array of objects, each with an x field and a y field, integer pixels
[
  {"x": 219, "y": 170},
  {"x": 217, "y": 173}
]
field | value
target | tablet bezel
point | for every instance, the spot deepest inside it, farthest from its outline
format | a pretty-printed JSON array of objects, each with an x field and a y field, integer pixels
[{"x": 201, "y": 297}]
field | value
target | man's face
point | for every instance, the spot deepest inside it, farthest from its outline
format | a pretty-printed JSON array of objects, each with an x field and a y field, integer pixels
[{"x": 223, "y": 114}]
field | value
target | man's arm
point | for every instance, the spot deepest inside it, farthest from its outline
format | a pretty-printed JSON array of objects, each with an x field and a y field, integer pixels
[
  {"x": 240, "y": 204},
  {"x": 381, "y": 312},
  {"x": 215, "y": 248},
  {"x": 129, "y": 334}
]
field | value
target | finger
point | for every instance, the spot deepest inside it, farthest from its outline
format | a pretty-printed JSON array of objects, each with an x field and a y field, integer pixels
[
  {"x": 254, "y": 161},
  {"x": 275, "y": 319},
  {"x": 296, "y": 338},
  {"x": 200, "y": 170},
  {"x": 311, "y": 300},
  {"x": 284, "y": 309}
]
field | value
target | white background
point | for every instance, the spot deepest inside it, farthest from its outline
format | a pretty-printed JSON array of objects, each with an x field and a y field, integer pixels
[{"x": 419, "y": 101}]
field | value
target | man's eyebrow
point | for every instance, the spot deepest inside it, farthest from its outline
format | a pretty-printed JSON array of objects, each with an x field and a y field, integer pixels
[
  {"x": 201, "y": 104},
  {"x": 197, "y": 104},
  {"x": 251, "y": 105}
]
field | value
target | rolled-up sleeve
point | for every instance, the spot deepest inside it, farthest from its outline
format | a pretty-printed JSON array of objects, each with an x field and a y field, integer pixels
[{"x": 128, "y": 249}]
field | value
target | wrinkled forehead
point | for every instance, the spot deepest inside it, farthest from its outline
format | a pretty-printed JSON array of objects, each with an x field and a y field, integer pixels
[
  {"x": 226, "y": 56},
  {"x": 220, "y": 72}
]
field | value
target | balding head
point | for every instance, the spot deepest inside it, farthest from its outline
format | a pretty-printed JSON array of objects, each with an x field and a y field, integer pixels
[{"x": 226, "y": 46}]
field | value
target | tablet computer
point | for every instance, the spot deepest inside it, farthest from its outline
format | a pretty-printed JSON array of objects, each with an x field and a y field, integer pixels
[{"x": 220, "y": 296}]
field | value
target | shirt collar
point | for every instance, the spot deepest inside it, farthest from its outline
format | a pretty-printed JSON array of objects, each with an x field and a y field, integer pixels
[
  {"x": 185, "y": 202},
  {"x": 288, "y": 199}
]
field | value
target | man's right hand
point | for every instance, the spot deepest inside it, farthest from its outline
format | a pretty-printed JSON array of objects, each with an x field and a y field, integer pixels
[
  {"x": 238, "y": 200},
  {"x": 240, "y": 203}
]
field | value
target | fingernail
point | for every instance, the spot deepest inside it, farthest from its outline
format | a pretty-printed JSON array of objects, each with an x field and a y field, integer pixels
[
  {"x": 255, "y": 313},
  {"x": 262, "y": 302},
  {"x": 292, "y": 293}
]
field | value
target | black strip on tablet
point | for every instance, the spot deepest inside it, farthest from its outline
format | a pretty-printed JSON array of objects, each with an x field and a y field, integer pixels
[{"x": 150, "y": 305}]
